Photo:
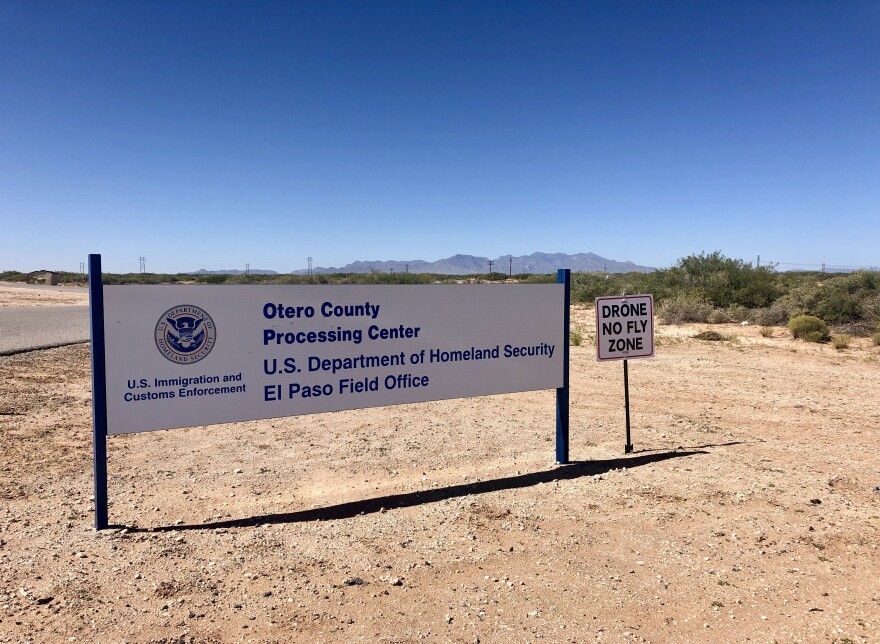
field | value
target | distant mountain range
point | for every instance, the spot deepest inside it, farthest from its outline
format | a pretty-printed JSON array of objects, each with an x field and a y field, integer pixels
[
  {"x": 540, "y": 263},
  {"x": 470, "y": 264}
]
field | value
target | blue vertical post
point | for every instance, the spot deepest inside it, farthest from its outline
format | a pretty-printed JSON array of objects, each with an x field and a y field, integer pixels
[
  {"x": 99, "y": 390},
  {"x": 563, "y": 276}
]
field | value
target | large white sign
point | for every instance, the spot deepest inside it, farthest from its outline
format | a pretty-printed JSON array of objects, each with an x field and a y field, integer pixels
[
  {"x": 624, "y": 327},
  {"x": 179, "y": 356}
]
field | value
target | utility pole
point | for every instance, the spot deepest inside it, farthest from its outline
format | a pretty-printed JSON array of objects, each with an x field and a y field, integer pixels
[
  {"x": 490, "y": 262},
  {"x": 310, "y": 265},
  {"x": 759, "y": 261},
  {"x": 82, "y": 269},
  {"x": 510, "y": 265},
  {"x": 823, "y": 267},
  {"x": 247, "y": 269},
  {"x": 143, "y": 264},
  {"x": 407, "y": 268}
]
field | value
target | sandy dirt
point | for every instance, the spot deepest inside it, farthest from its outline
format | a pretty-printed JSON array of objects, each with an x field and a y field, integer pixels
[
  {"x": 40, "y": 296},
  {"x": 748, "y": 512}
]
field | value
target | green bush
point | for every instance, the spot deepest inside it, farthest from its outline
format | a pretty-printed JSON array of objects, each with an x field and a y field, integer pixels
[
  {"x": 876, "y": 339},
  {"x": 574, "y": 337},
  {"x": 723, "y": 281},
  {"x": 841, "y": 340},
  {"x": 808, "y": 327}
]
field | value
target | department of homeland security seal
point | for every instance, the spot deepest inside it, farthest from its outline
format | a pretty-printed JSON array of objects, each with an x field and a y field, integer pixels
[{"x": 185, "y": 334}]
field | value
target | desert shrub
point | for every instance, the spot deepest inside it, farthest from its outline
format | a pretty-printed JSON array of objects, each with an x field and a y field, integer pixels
[
  {"x": 871, "y": 310},
  {"x": 12, "y": 276},
  {"x": 212, "y": 279},
  {"x": 841, "y": 340},
  {"x": 586, "y": 287},
  {"x": 737, "y": 313},
  {"x": 859, "y": 329},
  {"x": 377, "y": 277},
  {"x": 876, "y": 339},
  {"x": 767, "y": 331},
  {"x": 852, "y": 299},
  {"x": 142, "y": 278},
  {"x": 718, "y": 316},
  {"x": 838, "y": 303},
  {"x": 806, "y": 327},
  {"x": 73, "y": 278},
  {"x": 540, "y": 279},
  {"x": 769, "y": 315},
  {"x": 574, "y": 337},
  {"x": 684, "y": 308},
  {"x": 710, "y": 336},
  {"x": 800, "y": 301}
]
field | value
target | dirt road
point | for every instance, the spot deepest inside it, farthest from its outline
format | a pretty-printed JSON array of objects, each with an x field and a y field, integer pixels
[{"x": 31, "y": 327}]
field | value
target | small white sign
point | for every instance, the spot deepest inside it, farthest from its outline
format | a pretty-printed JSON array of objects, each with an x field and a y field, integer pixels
[
  {"x": 624, "y": 327},
  {"x": 179, "y": 356}
]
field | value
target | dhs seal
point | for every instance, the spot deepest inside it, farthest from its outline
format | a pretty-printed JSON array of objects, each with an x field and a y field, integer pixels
[{"x": 185, "y": 334}]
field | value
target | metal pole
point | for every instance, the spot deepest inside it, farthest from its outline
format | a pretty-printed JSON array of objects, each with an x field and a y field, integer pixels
[
  {"x": 628, "y": 447},
  {"x": 99, "y": 390},
  {"x": 563, "y": 276}
]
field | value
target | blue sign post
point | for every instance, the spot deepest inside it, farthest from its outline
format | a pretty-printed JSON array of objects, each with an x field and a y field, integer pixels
[
  {"x": 563, "y": 276},
  {"x": 99, "y": 390}
]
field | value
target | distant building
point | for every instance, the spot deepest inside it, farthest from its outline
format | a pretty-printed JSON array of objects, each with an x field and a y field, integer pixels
[{"x": 50, "y": 278}]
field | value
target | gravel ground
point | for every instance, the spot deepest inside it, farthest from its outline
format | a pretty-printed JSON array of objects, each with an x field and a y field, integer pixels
[{"x": 747, "y": 513}]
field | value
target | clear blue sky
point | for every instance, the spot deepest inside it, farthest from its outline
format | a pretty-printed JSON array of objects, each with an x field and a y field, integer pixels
[{"x": 211, "y": 134}]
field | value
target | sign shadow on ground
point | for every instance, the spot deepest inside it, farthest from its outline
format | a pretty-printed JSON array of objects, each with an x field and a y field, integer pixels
[{"x": 351, "y": 509}]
